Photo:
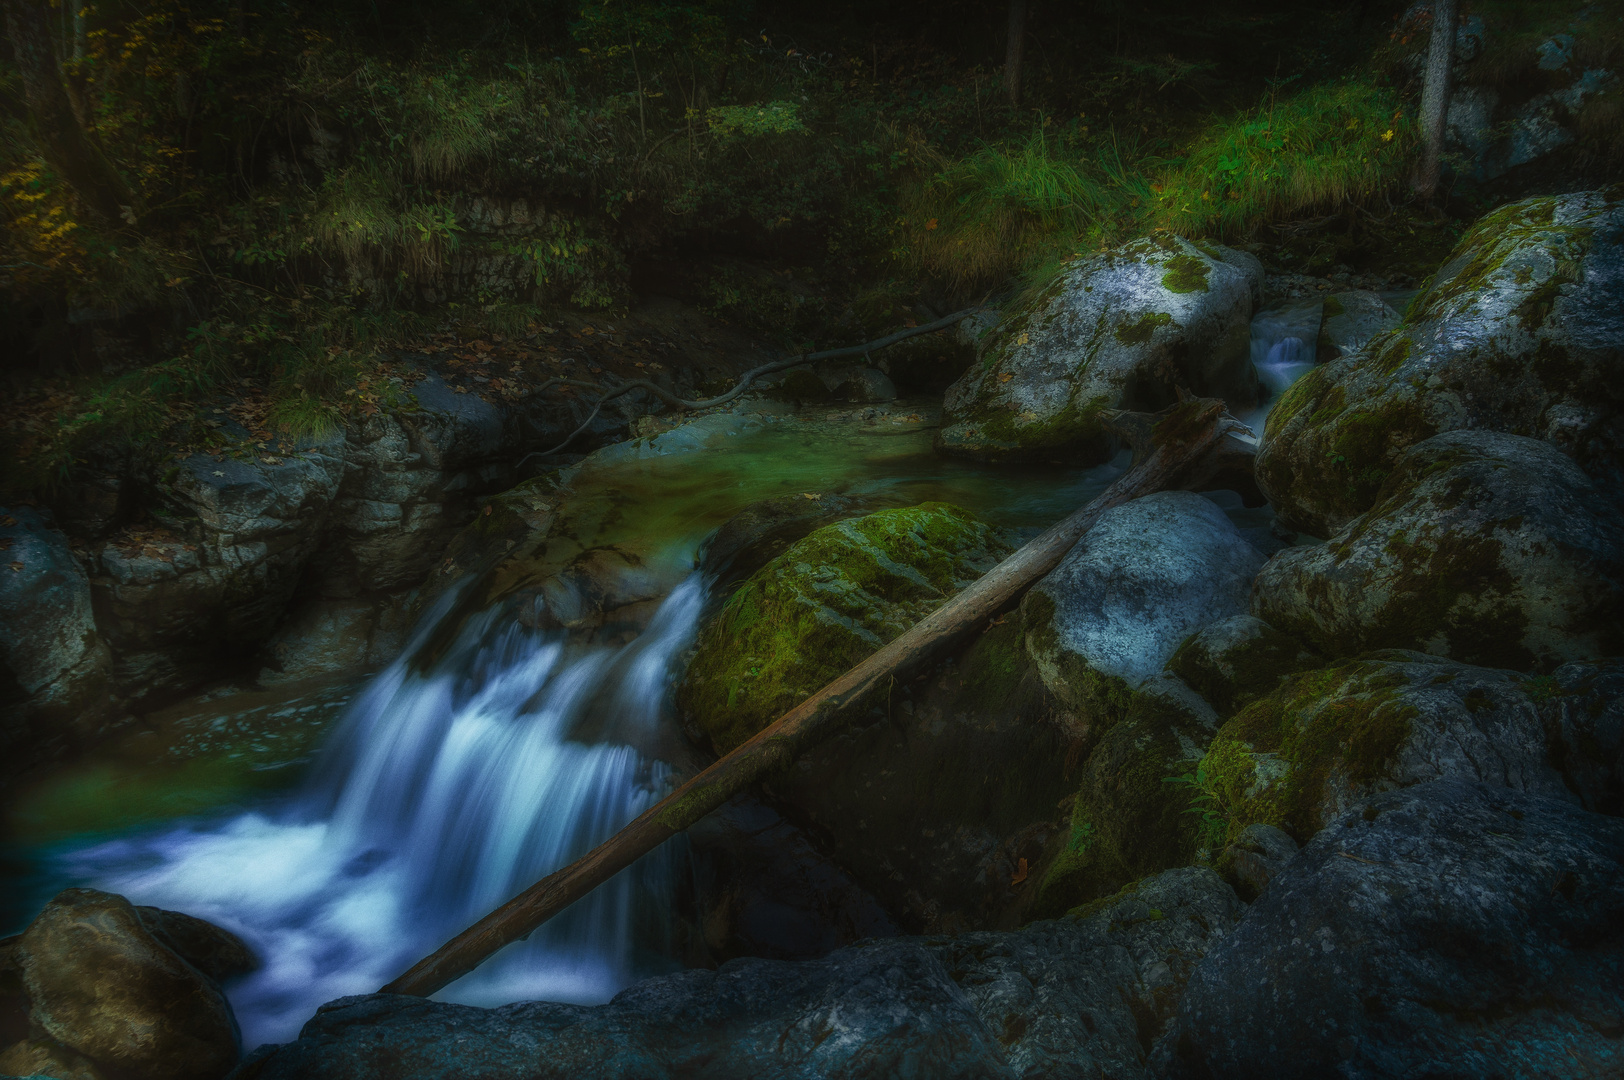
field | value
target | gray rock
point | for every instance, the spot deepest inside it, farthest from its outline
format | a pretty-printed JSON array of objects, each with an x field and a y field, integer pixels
[
  {"x": 1490, "y": 548},
  {"x": 1327, "y": 740},
  {"x": 1139, "y": 582},
  {"x": 864, "y": 385},
  {"x": 1080, "y": 997},
  {"x": 324, "y": 637},
  {"x": 1256, "y": 857},
  {"x": 1450, "y": 929},
  {"x": 1521, "y": 331},
  {"x": 1351, "y": 319},
  {"x": 1119, "y": 330},
  {"x": 100, "y": 983},
  {"x": 55, "y": 670}
]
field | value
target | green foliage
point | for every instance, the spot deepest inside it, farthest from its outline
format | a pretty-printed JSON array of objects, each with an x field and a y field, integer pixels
[{"x": 1208, "y": 804}]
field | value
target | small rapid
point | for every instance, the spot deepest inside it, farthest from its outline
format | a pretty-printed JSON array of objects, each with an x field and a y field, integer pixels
[{"x": 448, "y": 787}]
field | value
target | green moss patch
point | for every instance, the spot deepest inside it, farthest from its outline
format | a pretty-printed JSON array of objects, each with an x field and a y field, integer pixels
[
  {"x": 1273, "y": 762},
  {"x": 1185, "y": 274},
  {"x": 1140, "y": 330},
  {"x": 825, "y": 604}
]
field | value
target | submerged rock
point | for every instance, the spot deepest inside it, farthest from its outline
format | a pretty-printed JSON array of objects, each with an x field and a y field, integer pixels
[
  {"x": 104, "y": 985},
  {"x": 822, "y": 606},
  {"x": 1118, "y": 605},
  {"x": 1485, "y": 547},
  {"x": 1521, "y": 331},
  {"x": 56, "y": 686},
  {"x": 1329, "y": 739},
  {"x": 1119, "y": 330},
  {"x": 1450, "y": 929},
  {"x": 1083, "y": 996}
]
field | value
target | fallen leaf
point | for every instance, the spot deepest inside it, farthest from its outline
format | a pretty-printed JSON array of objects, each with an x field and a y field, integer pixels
[
  {"x": 8, "y": 521},
  {"x": 809, "y": 495},
  {"x": 1020, "y": 873},
  {"x": 1024, "y": 339},
  {"x": 1006, "y": 376},
  {"x": 16, "y": 566},
  {"x": 217, "y": 472},
  {"x": 487, "y": 511},
  {"x": 5, "y": 545}
]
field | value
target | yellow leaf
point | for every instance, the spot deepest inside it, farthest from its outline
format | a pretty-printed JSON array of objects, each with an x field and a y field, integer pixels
[{"x": 1024, "y": 339}]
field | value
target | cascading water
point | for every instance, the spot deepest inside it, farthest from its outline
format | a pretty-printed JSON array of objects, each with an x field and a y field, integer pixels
[
  {"x": 1282, "y": 351},
  {"x": 445, "y": 792}
]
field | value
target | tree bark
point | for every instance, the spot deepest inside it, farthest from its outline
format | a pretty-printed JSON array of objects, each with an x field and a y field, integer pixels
[
  {"x": 1184, "y": 435},
  {"x": 1435, "y": 98},
  {"x": 67, "y": 147},
  {"x": 1014, "y": 48}
]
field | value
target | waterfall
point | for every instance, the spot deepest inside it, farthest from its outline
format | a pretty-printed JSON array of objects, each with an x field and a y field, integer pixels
[
  {"x": 1282, "y": 351},
  {"x": 447, "y": 789}
]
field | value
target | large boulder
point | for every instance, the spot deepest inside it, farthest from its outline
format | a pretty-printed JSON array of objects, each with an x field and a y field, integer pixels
[
  {"x": 822, "y": 606},
  {"x": 1130, "y": 817},
  {"x": 1328, "y": 739},
  {"x": 1521, "y": 331},
  {"x": 1119, "y": 330},
  {"x": 1450, "y": 929},
  {"x": 1350, "y": 319},
  {"x": 1113, "y": 612},
  {"x": 105, "y": 985},
  {"x": 1084, "y": 996},
  {"x": 55, "y": 670},
  {"x": 1485, "y": 547}
]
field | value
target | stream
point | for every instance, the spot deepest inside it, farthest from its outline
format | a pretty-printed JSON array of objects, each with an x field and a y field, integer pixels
[{"x": 346, "y": 830}]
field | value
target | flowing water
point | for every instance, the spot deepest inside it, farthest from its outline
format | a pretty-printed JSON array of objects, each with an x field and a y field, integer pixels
[
  {"x": 1283, "y": 342},
  {"x": 448, "y": 786}
]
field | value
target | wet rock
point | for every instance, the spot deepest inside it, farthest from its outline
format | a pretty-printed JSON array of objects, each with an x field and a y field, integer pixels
[
  {"x": 1119, "y": 330},
  {"x": 101, "y": 983},
  {"x": 217, "y": 953},
  {"x": 56, "y": 685},
  {"x": 47, "y": 1059},
  {"x": 1521, "y": 331},
  {"x": 1350, "y": 320},
  {"x": 1128, "y": 818},
  {"x": 826, "y": 603},
  {"x": 1255, "y": 858},
  {"x": 890, "y": 1005},
  {"x": 1083, "y": 996},
  {"x": 764, "y": 890},
  {"x": 1329, "y": 739},
  {"x": 1236, "y": 660},
  {"x": 1452, "y": 928},
  {"x": 803, "y": 384},
  {"x": 1116, "y": 608},
  {"x": 1489, "y": 548},
  {"x": 323, "y": 637}
]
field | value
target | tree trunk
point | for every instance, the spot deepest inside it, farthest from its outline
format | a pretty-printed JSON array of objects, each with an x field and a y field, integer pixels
[
  {"x": 67, "y": 147},
  {"x": 1014, "y": 47},
  {"x": 1435, "y": 97},
  {"x": 1183, "y": 436}
]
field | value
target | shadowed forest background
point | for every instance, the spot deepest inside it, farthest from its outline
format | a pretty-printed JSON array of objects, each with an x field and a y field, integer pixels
[{"x": 274, "y": 197}]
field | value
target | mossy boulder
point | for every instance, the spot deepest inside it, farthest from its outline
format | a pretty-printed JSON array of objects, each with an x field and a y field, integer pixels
[
  {"x": 764, "y": 530},
  {"x": 822, "y": 606},
  {"x": 1138, "y": 583},
  {"x": 1118, "y": 330},
  {"x": 1520, "y": 331},
  {"x": 1328, "y": 739},
  {"x": 1130, "y": 817},
  {"x": 1237, "y": 660},
  {"x": 1485, "y": 547},
  {"x": 942, "y": 797}
]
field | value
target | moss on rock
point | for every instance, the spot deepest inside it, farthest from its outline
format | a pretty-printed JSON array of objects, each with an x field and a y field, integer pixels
[
  {"x": 822, "y": 606},
  {"x": 1234, "y": 662}
]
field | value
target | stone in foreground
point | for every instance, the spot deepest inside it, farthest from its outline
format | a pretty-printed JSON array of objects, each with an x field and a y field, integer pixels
[{"x": 1450, "y": 929}]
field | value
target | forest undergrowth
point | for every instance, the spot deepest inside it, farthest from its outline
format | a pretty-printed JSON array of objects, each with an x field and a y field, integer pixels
[{"x": 312, "y": 190}]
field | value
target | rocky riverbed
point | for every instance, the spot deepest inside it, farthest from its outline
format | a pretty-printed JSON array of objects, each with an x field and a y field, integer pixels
[{"x": 1327, "y": 786}]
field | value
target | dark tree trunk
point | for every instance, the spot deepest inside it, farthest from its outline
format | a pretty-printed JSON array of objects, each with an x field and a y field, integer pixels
[
  {"x": 1435, "y": 98},
  {"x": 1014, "y": 47},
  {"x": 68, "y": 148}
]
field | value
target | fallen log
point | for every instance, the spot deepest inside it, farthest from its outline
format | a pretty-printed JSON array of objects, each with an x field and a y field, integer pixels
[{"x": 1177, "y": 442}]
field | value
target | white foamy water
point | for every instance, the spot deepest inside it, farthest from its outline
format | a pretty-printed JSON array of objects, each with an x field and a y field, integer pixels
[{"x": 444, "y": 792}]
